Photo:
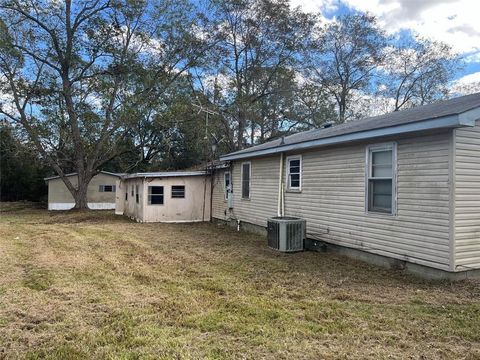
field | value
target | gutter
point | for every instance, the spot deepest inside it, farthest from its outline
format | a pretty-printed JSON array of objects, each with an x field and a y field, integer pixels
[{"x": 453, "y": 121}]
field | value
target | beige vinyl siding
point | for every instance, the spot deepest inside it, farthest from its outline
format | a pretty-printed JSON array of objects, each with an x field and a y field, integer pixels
[
  {"x": 332, "y": 199},
  {"x": 263, "y": 191},
  {"x": 467, "y": 198}
]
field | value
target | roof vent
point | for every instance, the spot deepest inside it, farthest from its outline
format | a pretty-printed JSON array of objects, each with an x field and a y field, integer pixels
[
  {"x": 327, "y": 125},
  {"x": 282, "y": 140}
]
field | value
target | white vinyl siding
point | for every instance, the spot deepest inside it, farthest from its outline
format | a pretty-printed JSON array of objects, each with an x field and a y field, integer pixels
[
  {"x": 333, "y": 199},
  {"x": 467, "y": 198}
]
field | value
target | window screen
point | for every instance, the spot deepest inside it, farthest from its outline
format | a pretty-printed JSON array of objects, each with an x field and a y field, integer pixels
[
  {"x": 246, "y": 180},
  {"x": 155, "y": 195},
  {"x": 294, "y": 172},
  {"x": 106, "y": 188},
  {"x": 380, "y": 180},
  {"x": 226, "y": 183},
  {"x": 178, "y": 191}
]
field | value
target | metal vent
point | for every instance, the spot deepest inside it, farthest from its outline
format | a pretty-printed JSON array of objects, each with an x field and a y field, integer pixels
[{"x": 286, "y": 234}]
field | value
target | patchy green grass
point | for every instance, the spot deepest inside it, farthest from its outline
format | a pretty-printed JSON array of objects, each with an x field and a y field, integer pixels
[{"x": 93, "y": 285}]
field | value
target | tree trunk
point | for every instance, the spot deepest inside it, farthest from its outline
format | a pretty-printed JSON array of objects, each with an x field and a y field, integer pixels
[
  {"x": 241, "y": 129},
  {"x": 80, "y": 195}
]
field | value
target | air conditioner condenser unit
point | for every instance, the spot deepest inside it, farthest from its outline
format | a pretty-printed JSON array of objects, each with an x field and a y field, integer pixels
[{"x": 286, "y": 234}]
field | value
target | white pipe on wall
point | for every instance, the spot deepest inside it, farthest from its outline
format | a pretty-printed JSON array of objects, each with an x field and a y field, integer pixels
[{"x": 280, "y": 188}]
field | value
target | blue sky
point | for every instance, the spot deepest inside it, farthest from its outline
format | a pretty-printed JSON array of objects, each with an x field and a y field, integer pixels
[{"x": 455, "y": 22}]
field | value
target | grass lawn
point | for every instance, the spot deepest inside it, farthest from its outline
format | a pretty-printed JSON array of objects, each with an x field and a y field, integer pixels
[{"x": 95, "y": 285}]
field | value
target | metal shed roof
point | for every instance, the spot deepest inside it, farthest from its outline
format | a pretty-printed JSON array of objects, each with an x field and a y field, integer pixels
[
  {"x": 72, "y": 174},
  {"x": 164, "y": 174},
  {"x": 457, "y": 112}
]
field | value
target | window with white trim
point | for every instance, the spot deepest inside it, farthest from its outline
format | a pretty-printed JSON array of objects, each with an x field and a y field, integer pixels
[
  {"x": 226, "y": 183},
  {"x": 246, "y": 177},
  {"x": 155, "y": 195},
  {"x": 178, "y": 191},
  {"x": 106, "y": 188},
  {"x": 294, "y": 172},
  {"x": 381, "y": 175}
]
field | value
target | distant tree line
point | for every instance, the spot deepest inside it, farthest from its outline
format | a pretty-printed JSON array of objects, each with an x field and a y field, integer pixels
[{"x": 109, "y": 84}]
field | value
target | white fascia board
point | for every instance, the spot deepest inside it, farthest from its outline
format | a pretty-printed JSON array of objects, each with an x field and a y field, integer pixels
[{"x": 444, "y": 122}]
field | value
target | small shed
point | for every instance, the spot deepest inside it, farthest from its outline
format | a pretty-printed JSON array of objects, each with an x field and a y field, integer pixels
[
  {"x": 182, "y": 196},
  {"x": 100, "y": 193}
]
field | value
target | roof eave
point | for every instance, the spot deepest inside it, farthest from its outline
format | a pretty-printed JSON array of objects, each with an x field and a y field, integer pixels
[
  {"x": 73, "y": 174},
  {"x": 163, "y": 175},
  {"x": 465, "y": 119}
]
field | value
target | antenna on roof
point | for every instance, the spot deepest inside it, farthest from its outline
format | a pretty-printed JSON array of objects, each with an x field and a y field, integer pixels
[{"x": 207, "y": 112}]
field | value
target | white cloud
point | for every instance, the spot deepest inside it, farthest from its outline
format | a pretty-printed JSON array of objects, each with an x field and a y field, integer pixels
[
  {"x": 467, "y": 84},
  {"x": 469, "y": 79},
  {"x": 452, "y": 21}
]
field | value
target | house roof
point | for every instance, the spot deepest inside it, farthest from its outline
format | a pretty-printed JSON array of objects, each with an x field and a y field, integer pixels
[
  {"x": 72, "y": 174},
  {"x": 457, "y": 112},
  {"x": 164, "y": 174}
]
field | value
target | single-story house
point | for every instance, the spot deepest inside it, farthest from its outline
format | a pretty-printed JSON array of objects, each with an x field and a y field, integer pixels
[
  {"x": 100, "y": 192},
  {"x": 182, "y": 196},
  {"x": 402, "y": 186}
]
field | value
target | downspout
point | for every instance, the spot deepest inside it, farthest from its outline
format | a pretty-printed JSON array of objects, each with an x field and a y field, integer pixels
[{"x": 280, "y": 205}]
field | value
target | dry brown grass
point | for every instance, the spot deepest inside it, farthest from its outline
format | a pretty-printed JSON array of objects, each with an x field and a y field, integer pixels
[{"x": 92, "y": 285}]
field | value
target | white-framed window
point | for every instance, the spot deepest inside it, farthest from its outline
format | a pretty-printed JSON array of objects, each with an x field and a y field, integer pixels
[
  {"x": 226, "y": 183},
  {"x": 294, "y": 172},
  {"x": 137, "y": 200},
  {"x": 178, "y": 191},
  {"x": 155, "y": 195},
  {"x": 106, "y": 188},
  {"x": 246, "y": 179},
  {"x": 381, "y": 189}
]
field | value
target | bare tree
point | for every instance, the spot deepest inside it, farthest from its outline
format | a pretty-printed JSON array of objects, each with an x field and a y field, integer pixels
[
  {"x": 345, "y": 57},
  {"x": 419, "y": 71},
  {"x": 259, "y": 40}
]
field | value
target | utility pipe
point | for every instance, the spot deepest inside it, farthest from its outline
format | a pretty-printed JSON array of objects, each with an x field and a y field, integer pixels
[{"x": 280, "y": 188}]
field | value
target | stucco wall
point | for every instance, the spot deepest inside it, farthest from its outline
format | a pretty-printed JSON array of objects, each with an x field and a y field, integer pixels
[{"x": 194, "y": 207}]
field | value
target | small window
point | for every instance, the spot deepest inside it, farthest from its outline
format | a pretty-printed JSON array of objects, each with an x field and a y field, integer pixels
[
  {"x": 246, "y": 176},
  {"x": 155, "y": 195},
  {"x": 126, "y": 195},
  {"x": 132, "y": 191},
  {"x": 294, "y": 172},
  {"x": 381, "y": 178},
  {"x": 178, "y": 191},
  {"x": 136, "y": 194},
  {"x": 106, "y": 188},
  {"x": 226, "y": 183}
]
